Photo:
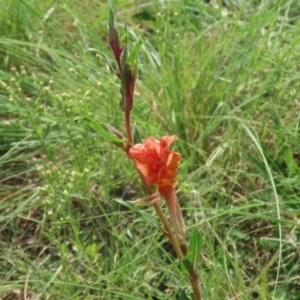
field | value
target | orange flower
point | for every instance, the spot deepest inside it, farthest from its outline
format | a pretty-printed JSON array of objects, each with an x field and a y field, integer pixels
[
  {"x": 156, "y": 162},
  {"x": 158, "y": 165}
]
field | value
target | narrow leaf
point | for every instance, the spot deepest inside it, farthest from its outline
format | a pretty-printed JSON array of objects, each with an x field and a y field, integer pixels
[
  {"x": 111, "y": 22},
  {"x": 124, "y": 54},
  {"x": 124, "y": 37},
  {"x": 101, "y": 129},
  {"x": 184, "y": 295},
  {"x": 290, "y": 161},
  {"x": 186, "y": 266},
  {"x": 110, "y": 62},
  {"x": 136, "y": 135},
  {"x": 46, "y": 132},
  {"x": 122, "y": 102},
  {"x": 141, "y": 213},
  {"x": 260, "y": 167},
  {"x": 132, "y": 57},
  {"x": 195, "y": 247}
]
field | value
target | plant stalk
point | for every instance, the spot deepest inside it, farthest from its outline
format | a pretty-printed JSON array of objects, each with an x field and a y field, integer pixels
[
  {"x": 128, "y": 124},
  {"x": 180, "y": 250},
  {"x": 194, "y": 280},
  {"x": 177, "y": 240},
  {"x": 168, "y": 231}
]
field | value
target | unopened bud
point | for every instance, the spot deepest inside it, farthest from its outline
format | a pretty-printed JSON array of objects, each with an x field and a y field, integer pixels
[
  {"x": 116, "y": 132},
  {"x": 120, "y": 142},
  {"x": 114, "y": 40},
  {"x": 128, "y": 82},
  {"x": 129, "y": 75}
]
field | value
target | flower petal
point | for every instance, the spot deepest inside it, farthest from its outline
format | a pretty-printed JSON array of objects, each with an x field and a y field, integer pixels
[{"x": 156, "y": 162}]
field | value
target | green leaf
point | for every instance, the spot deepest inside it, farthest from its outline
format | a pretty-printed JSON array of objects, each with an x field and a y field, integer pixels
[
  {"x": 260, "y": 167},
  {"x": 101, "y": 129},
  {"x": 124, "y": 38},
  {"x": 124, "y": 56},
  {"x": 290, "y": 161},
  {"x": 144, "y": 15},
  {"x": 121, "y": 103},
  {"x": 195, "y": 247},
  {"x": 63, "y": 249},
  {"x": 184, "y": 295},
  {"x": 141, "y": 213},
  {"x": 132, "y": 57},
  {"x": 110, "y": 62},
  {"x": 111, "y": 22},
  {"x": 136, "y": 135},
  {"x": 187, "y": 266},
  {"x": 92, "y": 250},
  {"x": 129, "y": 61},
  {"x": 46, "y": 132}
]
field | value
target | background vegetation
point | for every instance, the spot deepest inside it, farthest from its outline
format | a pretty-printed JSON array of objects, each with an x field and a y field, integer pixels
[{"x": 221, "y": 75}]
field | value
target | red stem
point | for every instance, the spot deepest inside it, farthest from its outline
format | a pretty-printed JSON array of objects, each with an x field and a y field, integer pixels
[
  {"x": 194, "y": 280},
  {"x": 128, "y": 123}
]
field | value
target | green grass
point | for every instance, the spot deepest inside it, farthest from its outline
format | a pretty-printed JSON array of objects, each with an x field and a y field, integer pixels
[{"x": 221, "y": 75}]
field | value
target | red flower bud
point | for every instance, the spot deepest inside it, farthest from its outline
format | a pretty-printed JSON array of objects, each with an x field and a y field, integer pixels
[
  {"x": 128, "y": 82},
  {"x": 116, "y": 132},
  {"x": 114, "y": 40}
]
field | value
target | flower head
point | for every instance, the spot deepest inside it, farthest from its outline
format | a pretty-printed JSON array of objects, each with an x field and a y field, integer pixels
[
  {"x": 158, "y": 165},
  {"x": 156, "y": 162}
]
